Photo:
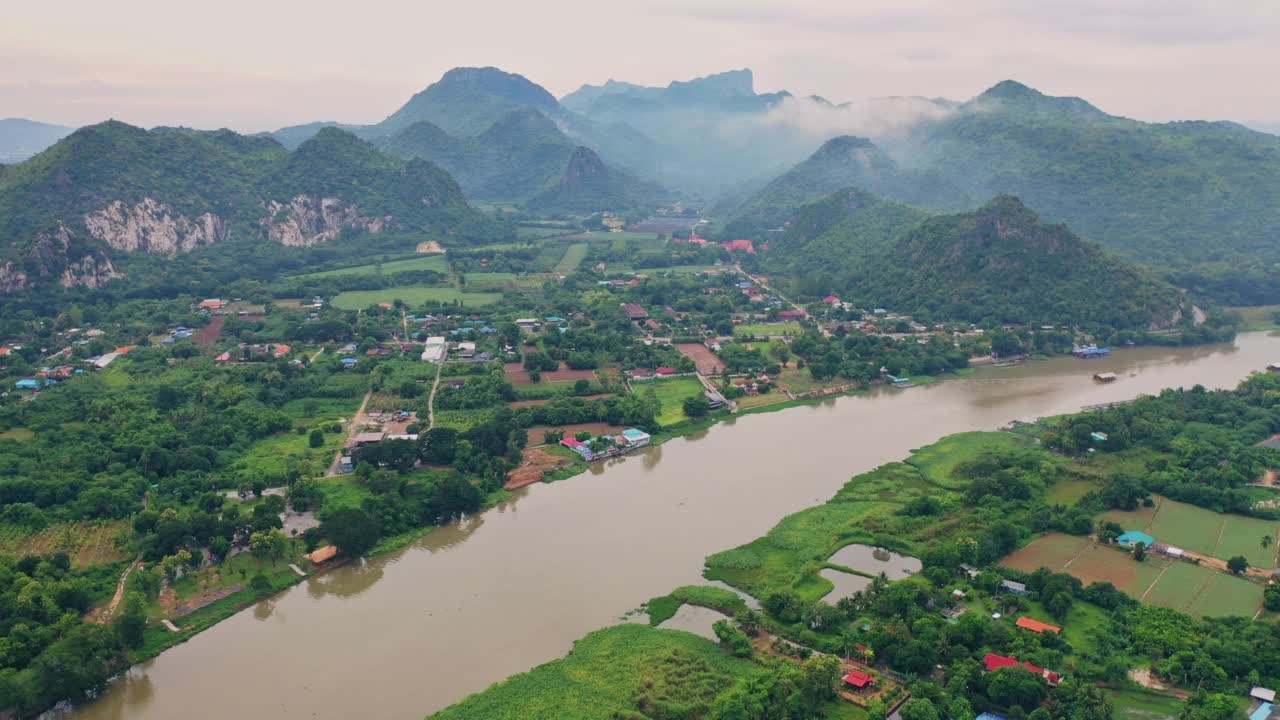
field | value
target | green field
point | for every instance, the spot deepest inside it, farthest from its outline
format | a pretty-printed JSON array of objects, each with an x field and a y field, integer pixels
[
  {"x": 1257, "y": 317},
  {"x": 413, "y": 296},
  {"x": 606, "y": 235},
  {"x": 536, "y": 233},
  {"x": 1204, "y": 531},
  {"x": 672, "y": 394},
  {"x": 1143, "y": 705},
  {"x": 1068, "y": 491},
  {"x": 767, "y": 329},
  {"x": 424, "y": 262},
  {"x": 937, "y": 461},
  {"x": 503, "y": 281},
  {"x": 573, "y": 257},
  {"x": 604, "y": 674}
]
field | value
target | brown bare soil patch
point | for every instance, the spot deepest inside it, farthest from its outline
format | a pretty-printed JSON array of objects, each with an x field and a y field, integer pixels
[
  {"x": 430, "y": 247},
  {"x": 534, "y": 463},
  {"x": 705, "y": 360},
  {"x": 597, "y": 428},
  {"x": 517, "y": 375},
  {"x": 210, "y": 333}
]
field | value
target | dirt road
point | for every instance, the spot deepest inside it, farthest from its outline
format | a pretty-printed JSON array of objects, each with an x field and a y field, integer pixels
[{"x": 357, "y": 422}]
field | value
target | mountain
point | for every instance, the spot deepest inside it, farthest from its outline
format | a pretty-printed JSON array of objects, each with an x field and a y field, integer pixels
[
  {"x": 21, "y": 138},
  {"x": 708, "y": 134},
  {"x": 588, "y": 185},
  {"x": 841, "y": 162},
  {"x": 1195, "y": 199},
  {"x": 1000, "y": 263},
  {"x": 110, "y": 194},
  {"x": 465, "y": 101}
]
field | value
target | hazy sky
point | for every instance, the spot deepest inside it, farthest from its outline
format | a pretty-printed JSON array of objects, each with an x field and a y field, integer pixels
[{"x": 261, "y": 64}]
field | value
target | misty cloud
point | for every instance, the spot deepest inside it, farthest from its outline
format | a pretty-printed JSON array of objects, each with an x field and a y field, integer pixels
[{"x": 875, "y": 118}]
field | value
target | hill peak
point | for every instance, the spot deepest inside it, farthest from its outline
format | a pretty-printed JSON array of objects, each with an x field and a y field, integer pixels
[
  {"x": 724, "y": 84},
  {"x": 1012, "y": 93},
  {"x": 493, "y": 81}
]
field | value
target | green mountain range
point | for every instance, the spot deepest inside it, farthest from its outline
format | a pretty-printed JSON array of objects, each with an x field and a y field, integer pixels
[
  {"x": 1194, "y": 198},
  {"x": 78, "y": 213},
  {"x": 1000, "y": 263},
  {"x": 504, "y": 137}
]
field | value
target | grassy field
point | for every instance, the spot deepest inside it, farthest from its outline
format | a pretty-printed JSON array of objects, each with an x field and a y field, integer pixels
[
  {"x": 270, "y": 457},
  {"x": 18, "y": 434},
  {"x": 572, "y": 258},
  {"x": 1257, "y": 317},
  {"x": 800, "y": 381},
  {"x": 672, "y": 394},
  {"x": 503, "y": 281},
  {"x": 1204, "y": 531},
  {"x": 424, "y": 262},
  {"x": 1143, "y": 705},
  {"x": 536, "y": 233},
  {"x": 87, "y": 542},
  {"x": 606, "y": 235},
  {"x": 1068, "y": 491},
  {"x": 413, "y": 295},
  {"x": 937, "y": 461},
  {"x": 767, "y": 329},
  {"x": 604, "y": 674}
]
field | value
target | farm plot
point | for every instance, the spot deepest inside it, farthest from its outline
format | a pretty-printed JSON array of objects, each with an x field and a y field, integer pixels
[
  {"x": 1053, "y": 551},
  {"x": 87, "y": 542},
  {"x": 783, "y": 329},
  {"x": 573, "y": 257},
  {"x": 503, "y": 281},
  {"x": 426, "y": 262},
  {"x": 1204, "y": 531},
  {"x": 705, "y": 360},
  {"x": 1243, "y": 536},
  {"x": 413, "y": 295},
  {"x": 1187, "y": 527},
  {"x": 1099, "y": 564}
]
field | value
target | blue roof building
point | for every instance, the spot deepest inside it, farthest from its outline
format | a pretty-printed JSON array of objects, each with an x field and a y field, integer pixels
[
  {"x": 989, "y": 716},
  {"x": 1133, "y": 537},
  {"x": 348, "y": 361},
  {"x": 1263, "y": 711},
  {"x": 27, "y": 384}
]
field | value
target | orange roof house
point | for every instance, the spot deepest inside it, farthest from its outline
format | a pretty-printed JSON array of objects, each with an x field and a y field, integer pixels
[
  {"x": 325, "y": 553},
  {"x": 1036, "y": 626},
  {"x": 212, "y": 304}
]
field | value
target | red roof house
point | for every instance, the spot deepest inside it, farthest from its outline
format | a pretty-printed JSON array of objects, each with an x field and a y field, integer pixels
[
  {"x": 994, "y": 662},
  {"x": 1036, "y": 626},
  {"x": 792, "y": 314},
  {"x": 664, "y": 370},
  {"x": 744, "y": 245},
  {"x": 859, "y": 679},
  {"x": 224, "y": 357},
  {"x": 281, "y": 351},
  {"x": 831, "y": 300}
]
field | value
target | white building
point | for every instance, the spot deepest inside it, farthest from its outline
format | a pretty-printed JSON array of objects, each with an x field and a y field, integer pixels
[{"x": 436, "y": 349}]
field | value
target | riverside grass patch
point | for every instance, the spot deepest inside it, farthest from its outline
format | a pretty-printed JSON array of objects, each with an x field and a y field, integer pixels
[
  {"x": 605, "y": 674},
  {"x": 664, "y": 607}
]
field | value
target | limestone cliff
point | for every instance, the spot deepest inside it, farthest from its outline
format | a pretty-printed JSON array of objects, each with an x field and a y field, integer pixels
[
  {"x": 308, "y": 220},
  {"x": 50, "y": 256},
  {"x": 153, "y": 227}
]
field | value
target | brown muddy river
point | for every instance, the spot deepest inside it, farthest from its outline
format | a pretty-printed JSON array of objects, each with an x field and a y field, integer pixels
[{"x": 407, "y": 634}]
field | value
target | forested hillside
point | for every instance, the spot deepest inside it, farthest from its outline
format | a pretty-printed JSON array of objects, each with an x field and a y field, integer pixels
[{"x": 80, "y": 212}]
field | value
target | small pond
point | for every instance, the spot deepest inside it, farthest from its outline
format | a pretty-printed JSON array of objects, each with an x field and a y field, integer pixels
[
  {"x": 695, "y": 619},
  {"x": 846, "y": 583},
  {"x": 874, "y": 560}
]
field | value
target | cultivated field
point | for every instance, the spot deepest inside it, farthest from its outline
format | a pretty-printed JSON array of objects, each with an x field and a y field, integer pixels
[
  {"x": 88, "y": 543},
  {"x": 1204, "y": 531},
  {"x": 1185, "y": 586},
  {"x": 572, "y": 258},
  {"x": 426, "y": 262},
  {"x": 703, "y": 358},
  {"x": 503, "y": 281},
  {"x": 413, "y": 295},
  {"x": 782, "y": 329},
  {"x": 517, "y": 375}
]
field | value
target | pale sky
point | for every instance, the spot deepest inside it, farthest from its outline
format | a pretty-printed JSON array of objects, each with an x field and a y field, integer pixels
[{"x": 261, "y": 64}]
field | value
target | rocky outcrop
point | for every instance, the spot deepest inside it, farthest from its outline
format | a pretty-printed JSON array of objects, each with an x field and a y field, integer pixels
[
  {"x": 308, "y": 220},
  {"x": 153, "y": 227},
  {"x": 50, "y": 256}
]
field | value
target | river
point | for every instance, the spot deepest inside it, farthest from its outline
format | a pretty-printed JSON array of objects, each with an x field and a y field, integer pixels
[{"x": 470, "y": 604}]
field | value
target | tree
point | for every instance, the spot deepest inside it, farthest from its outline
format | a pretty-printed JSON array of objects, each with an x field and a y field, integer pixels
[
  {"x": 1266, "y": 541},
  {"x": 1271, "y": 598},
  {"x": 131, "y": 623},
  {"x": 353, "y": 530},
  {"x": 1016, "y": 686},
  {"x": 919, "y": 709},
  {"x": 697, "y": 406},
  {"x": 268, "y": 545},
  {"x": 317, "y": 438},
  {"x": 1140, "y": 551},
  {"x": 733, "y": 638},
  {"x": 260, "y": 583},
  {"x": 1203, "y": 706},
  {"x": 1238, "y": 564}
]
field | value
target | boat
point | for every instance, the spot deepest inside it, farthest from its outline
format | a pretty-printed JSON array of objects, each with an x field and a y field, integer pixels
[
  {"x": 1090, "y": 352},
  {"x": 1104, "y": 377}
]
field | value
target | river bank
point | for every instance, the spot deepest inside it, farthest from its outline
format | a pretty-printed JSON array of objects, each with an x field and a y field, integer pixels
[{"x": 513, "y": 587}]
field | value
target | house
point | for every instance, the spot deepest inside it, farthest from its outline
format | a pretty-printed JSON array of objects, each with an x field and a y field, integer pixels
[
  {"x": 1263, "y": 694},
  {"x": 345, "y": 465},
  {"x": 212, "y": 304},
  {"x": 455, "y": 383},
  {"x": 466, "y": 350},
  {"x": 366, "y": 438},
  {"x": 1130, "y": 538},
  {"x": 1036, "y": 626},
  {"x": 989, "y": 716},
  {"x": 1091, "y": 352},
  {"x": 1099, "y": 436},
  {"x": 1262, "y": 712},
  {"x": 650, "y": 324},
  {"x": 281, "y": 351},
  {"x": 742, "y": 245},
  {"x": 633, "y": 438},
  {"x": 435, "y": 350},
  {"x": 28, "y": 384},
  {"x": 527, "y": 323},
  {"x": 995, "y": 662},
  {"x": 321, "y": 554},
  {"x": 969, "y": 570},
  {"x": 641, "y": 374},
  {"x": 348, "y": 362},
  {"x": 664, "y": 371},
  {"x": 579, "y": 447},
  {"x": 792, "y": 314},
  {"x": 224, "y": 357},
  {"x": 104, "y": 359},
  {"x": 634, "y": 312},
  {"x": 1016, "y": 588},
  {"x": 859, "y": 679}
]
